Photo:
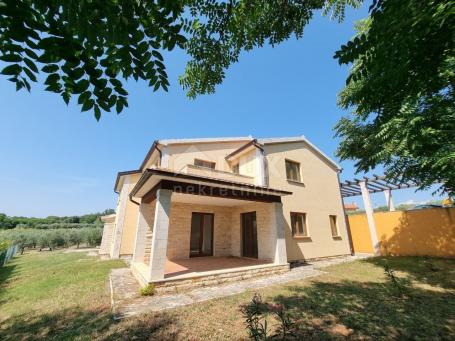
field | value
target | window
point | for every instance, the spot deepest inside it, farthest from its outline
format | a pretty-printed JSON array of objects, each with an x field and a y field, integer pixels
[
  {"x": 298, "y": 223},
  {"x": 334, "y": 225},
  {"x": 293, "y": 170},
  {"x": 236, "y": 168},
  {"x": 205, "y": 164}
]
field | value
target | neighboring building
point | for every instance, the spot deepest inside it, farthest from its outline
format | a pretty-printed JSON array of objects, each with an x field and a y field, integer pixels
[
  {"x": 217, "y": 205},
  {"x": 352, "y": 207}
]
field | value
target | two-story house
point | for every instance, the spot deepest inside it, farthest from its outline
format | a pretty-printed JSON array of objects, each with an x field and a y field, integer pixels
[{"x": 226, "y": 207}]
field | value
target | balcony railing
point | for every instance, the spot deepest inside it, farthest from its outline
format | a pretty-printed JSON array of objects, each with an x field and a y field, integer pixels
[{"x": 212, "y": 173}]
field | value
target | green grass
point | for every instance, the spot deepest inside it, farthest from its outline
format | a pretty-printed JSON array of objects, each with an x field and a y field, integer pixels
[{"x": 58, "y": 296}]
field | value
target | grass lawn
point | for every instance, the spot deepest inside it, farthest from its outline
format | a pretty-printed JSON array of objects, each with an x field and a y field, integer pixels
[{"x": 60, "y": 296}]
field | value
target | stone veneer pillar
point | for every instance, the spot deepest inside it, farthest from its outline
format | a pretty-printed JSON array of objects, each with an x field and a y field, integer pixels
[
  {"x": 278, "y": 223},
  {"x": 160, "y": 234},
  {"x": 119, "y": 220},
  {"x": 141, "y": 232}
]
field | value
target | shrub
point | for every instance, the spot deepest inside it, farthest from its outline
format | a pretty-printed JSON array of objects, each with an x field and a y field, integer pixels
[
  {"x": 4, "y": 245},
  {"x": 399, "y": 285},
  {"x": 148, "y": 290},
  {"x": 255, "y": 314}
]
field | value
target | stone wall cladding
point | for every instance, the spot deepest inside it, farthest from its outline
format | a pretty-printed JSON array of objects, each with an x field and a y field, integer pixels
[
  {"x": 106, "y": 240},
  {"x": 227, "y": 227},
  {"x": 264, "y": 218},
  {"x": 182, "y": 285},
  {"x": 180, "y": 229}
]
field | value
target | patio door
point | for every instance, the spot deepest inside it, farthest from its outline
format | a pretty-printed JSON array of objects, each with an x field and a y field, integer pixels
[
  {"x": 201, "y": 240},
  {"x": 249, "y": 235}
]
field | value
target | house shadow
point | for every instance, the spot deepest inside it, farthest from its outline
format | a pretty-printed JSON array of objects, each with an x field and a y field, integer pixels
[
  {"x": 95, "y": 324},
  {"x": 5, "y": 273},
  {"x": 354, "y": 310},
  {"x": 428, "y": 232}
]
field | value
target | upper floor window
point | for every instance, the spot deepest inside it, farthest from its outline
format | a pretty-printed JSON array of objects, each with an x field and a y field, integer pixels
[
  {"x": 298, "y": 224},
  {"x": 334, "y": 225},
  {"x": 293, "y": 171},
  {"x": 205, "y": 164},
  {"x": 236, "y": 168}
]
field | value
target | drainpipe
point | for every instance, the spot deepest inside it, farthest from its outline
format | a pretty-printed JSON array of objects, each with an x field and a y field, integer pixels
[{"x": 265, "y": 168}]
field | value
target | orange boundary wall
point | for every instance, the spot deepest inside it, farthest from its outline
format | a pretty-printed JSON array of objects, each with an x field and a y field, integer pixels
[{"x": 428, "y": 232}]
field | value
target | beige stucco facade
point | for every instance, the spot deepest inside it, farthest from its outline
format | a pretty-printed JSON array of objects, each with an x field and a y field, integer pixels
[
  {"x": 261, "y": 165},
  {"x": 318, "y": 196}
]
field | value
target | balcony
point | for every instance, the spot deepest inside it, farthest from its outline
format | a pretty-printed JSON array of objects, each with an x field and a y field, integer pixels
[{"x": 217, "y": 174}]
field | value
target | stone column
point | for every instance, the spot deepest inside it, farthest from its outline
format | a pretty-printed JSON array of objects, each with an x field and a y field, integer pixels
[
  {"x": 144, "y": 221},
  {"x": 370, "y": 217},
  {"x": 119, "y": 220},
  {"x": 278, "y": 234},
  {"x": 160, "y": 234},
  {"x": 389, "y": 200}
]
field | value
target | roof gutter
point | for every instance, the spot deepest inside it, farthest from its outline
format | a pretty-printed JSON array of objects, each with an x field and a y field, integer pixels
[
  {"x": 134, "y": 202},
  {"x": 183, "y": 176},
  {"x": 149, "y": 153},
  {"x": 253, "y": 143},
  {"x": 120, "y": 174}
]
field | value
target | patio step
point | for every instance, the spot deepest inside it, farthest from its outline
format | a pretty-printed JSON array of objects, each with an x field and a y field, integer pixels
[
  {"x": 148, "y": 246},
  {"x": 222, "y": 277}
]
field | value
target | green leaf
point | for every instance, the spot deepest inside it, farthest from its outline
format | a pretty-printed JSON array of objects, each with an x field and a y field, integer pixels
[
  {"x": 82, "y": 85},
  {"x": 66, "y": 97},
  {"x": 52, "y": 79},
  {"x": 31, "y": 53},
  {"x": 31, "y": 65},
  {"x": 97, "y": 112},
  {"x": 121, "y": 91},
  {"x": 88, "y": 104},
  {"x": 30, "y": 74},
  {"x": 50, "y": 68},
  {"x": 119, "y": 107},
  {"x": 13, "y": 69},
  {"x": 115, "y": 82},
  {"x": 11, "y": 57},
  {"x": 83, "y": 97}
]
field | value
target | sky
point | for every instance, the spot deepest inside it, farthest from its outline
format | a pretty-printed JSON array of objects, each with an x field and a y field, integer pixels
[{"x": 55, "y": 160}]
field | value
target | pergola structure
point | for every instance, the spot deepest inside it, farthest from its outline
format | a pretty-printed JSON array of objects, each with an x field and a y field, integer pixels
[{"x": 374, "y": 184}]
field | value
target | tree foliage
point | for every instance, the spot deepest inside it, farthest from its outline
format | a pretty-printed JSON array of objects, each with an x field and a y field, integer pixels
[
  {"x": 401, "y": 92},
  {"x": 53, "y": 222},
  {"x": 29, "y": 238},
  {"x": 88, "y": 48}
]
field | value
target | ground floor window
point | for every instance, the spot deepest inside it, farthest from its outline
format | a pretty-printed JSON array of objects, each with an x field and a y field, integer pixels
[
  {"x": 298, "y": 224},
  {"x": 334, "y": 225}
]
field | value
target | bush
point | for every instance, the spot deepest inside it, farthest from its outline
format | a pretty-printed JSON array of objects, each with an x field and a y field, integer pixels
[
  {"x": 148, "y": 290},
  {"x": 4, "y": 245},
  {"x": 255, "y": 314}
]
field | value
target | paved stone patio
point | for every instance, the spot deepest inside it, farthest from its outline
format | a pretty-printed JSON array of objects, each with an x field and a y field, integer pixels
[{"x": 126, "y": 300}]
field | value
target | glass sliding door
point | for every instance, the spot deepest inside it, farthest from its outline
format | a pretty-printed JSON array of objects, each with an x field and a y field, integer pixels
[
  {"x": 201, "y": 240},
  {"x": 249, "y": 235}
]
